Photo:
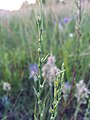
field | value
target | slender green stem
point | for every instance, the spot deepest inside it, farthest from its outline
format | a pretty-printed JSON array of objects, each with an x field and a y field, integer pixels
[
  {"x": 40, "y": 29},
  {"x": 39, "y": 114},
  {"x": 58, "y": 85}
]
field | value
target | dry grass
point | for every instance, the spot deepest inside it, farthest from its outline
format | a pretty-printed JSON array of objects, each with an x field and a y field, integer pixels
[
  {"x": 56, "y": 9},
  {"x": 66, "y": 8}
]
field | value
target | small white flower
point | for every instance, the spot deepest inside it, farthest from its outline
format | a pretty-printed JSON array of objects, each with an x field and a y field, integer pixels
[
  {"x": 49, "y": 70},
  {"x": 6, "y": 86},
  {"x": 51, "y": 60},
  {"x": 61, "y": 0},
  {"x": 71, "y": 35},
  {"x": 82, "y": 91}
]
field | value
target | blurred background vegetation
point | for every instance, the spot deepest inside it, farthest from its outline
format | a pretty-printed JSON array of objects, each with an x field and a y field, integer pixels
[{"x": 19, "y": 42}]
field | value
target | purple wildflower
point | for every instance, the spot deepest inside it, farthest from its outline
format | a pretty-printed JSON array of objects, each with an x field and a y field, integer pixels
[
  {"x": 66, "y": 20},
  {"x": 33, "y": 70},
  {"x": 5, "y": 100},
  {"x": 66, "y": 87},
  {"x": 66, "y": 90}
]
